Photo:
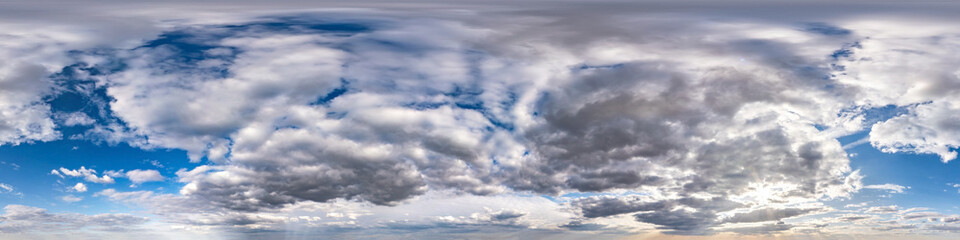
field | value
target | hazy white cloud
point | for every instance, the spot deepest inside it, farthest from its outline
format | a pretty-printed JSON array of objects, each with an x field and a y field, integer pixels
[
  {"x": 893, "y": 188},
  {"x": 883, "y": 209},
  {"x": 71, "y": 198},
  {"x": 75, "y": 119},
  {"x": 19, "y": 219},
  {"x": 856, "y": 205},
  {"x": 138, "y": 176}
]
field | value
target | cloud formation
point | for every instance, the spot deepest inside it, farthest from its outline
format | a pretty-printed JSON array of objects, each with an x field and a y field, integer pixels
[
  {"x": 706, "y": 124},
  {"x": 302, "y": 110},
  {"x": 19, "y": 219}
]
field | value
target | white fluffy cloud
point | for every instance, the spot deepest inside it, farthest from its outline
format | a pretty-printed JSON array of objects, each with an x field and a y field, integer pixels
[
  {"x": 80, "y": 187},
  {"x": 898, "y": 66},
  {"x": 28, "y": 57},
  {"x": 88, "y": 175},
  {"x": 138, "y": 176}
]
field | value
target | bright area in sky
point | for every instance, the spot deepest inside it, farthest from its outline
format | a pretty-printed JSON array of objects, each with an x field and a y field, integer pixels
[{"x": 523, "y": 120}]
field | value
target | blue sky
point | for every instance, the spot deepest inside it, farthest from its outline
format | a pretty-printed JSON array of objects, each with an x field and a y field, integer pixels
[{"x": 605, "y": 120}]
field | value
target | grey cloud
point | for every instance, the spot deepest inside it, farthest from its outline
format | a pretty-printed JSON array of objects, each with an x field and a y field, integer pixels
[
  {"x": 445, "y": 119},
  {"x": 762, "y": 230},
  {"x": 24, "y": 117},
  {"x": 943, "y": 227},
  {"x": 920, "y": 215},
  {"x": 594, "y": 207},
  {"x": 663, "y": 213},
  {"x": 25, "y": 219},
  {"x": 501, "y": 218},
  {"x": 581, "y": 226},
  {"x": 895, "y": 227},
  {"x": 855, "y": 217},
  {"x": 769, "y": 214},
  {"x": 680, "y": 221},
  {"x": 609, "y": 206}
]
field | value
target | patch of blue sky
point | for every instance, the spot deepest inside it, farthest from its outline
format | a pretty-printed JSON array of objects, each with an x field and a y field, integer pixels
[
  {"x": 41, "y": 188},
  {"x": 567, "y": 197},
  {"x": 926, "y": 176},
  {"x": 590, "y": 67},
  {"x": 826, "y": 29},
  {"x": 333, "y": 94}
]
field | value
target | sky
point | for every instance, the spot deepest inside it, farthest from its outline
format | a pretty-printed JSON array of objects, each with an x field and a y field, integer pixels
[{"x": 479, "y": 120}]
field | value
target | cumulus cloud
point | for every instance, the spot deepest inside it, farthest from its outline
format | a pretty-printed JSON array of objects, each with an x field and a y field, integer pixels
[
  {"x": 88, "y": 175},
  {"x": 80, "y": 187},
  {"x": 318, "y": 112},
  {"x": 28, "y": 57},
  {"x": 138, "y": 176}
]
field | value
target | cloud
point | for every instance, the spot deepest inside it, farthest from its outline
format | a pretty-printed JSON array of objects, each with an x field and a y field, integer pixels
[
  {"x": 75, "y": 119},
  {"x": 297, "y": 111},
  {"x": 80, "y": 187},
  {"x": 581, "y": 226},
  {"x": 138, "y": 176},
  {"x": 883, "y": 209},
  {"x": 855, "y": 217},
  {"x": 29, "y": 57},
  {"x": 679, "y": 221},
  {"x": 88, "y": 175},
  {"x": 704, "y": 119},
  {"x": 893, "y": 188},
  {"x": 25, "y": 219},
  {"x": 856, "y": 205},
  {"x": 71, "y": 198},
  {"x": 944, "y": 227},
  {"x": 895, "y": 227},
  {"x": 434, "y": 212},
  {"x": 920, "y": 215},
  {"x": 763, "y": 215},
  {"x": 762, "y": 230},
  {"x": 608, "y": 206}
]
